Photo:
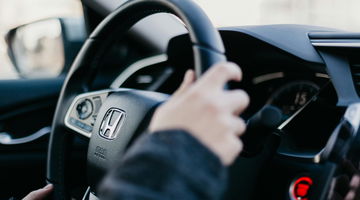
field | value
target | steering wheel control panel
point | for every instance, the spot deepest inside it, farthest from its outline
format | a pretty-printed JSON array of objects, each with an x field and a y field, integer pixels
[{"x": 83, "y": 112}]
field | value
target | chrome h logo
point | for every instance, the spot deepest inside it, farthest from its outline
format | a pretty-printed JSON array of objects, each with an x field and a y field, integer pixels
[{"x": 111, "y": 123}]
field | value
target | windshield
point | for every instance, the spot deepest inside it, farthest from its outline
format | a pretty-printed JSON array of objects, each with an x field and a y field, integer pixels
[{"x": 340, "y": 14}]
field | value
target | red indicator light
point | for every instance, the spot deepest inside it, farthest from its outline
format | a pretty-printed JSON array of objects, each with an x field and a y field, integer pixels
[
  {"x": 302, "y": 189},
  {"x": 299, "y": 189}
]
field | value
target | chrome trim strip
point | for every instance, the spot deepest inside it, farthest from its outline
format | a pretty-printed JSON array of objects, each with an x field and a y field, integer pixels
[
  {"x": 6, "y": 139},
  {"x": 87, "y": 193},
  {"x": 129, "y": 71},
  {"x": 286, "y": 122},
  {"x": 337, "y": 44},
  {"x": 321, "y": 75},
  {"x": 314, "y": 158},
  {"x": 267, "y": 77}
]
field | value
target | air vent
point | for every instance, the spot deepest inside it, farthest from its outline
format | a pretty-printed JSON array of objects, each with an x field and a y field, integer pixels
[{"x": 355, "y": 70}]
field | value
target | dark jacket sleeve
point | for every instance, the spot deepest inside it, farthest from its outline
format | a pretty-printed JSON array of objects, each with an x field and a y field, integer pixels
[{"x": 166, "y": 165}]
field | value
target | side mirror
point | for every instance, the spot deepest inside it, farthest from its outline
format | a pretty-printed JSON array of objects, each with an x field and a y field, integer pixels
[{"x": 45, "y": 48}]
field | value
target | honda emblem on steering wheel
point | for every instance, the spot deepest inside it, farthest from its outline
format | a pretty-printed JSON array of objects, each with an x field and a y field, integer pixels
[{"x": 111, "y": 123}]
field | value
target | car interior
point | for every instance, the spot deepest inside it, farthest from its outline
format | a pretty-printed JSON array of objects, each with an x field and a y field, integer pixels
[{"x": 128, "y": 57}]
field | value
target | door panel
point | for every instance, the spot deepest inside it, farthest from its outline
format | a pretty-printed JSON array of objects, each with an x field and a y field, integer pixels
[{"x": 26, "y": 106}]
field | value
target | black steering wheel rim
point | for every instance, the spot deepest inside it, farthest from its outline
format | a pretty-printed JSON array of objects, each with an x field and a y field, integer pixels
[{"x": 208, "y": 49}]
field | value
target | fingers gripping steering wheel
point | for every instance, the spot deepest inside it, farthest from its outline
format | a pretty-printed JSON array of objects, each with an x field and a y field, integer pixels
[{"x": 130, "y": 108}]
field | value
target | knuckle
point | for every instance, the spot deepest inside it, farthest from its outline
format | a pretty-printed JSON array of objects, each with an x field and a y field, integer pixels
[
  {"x": 243, "y": 97},
  {"x": 222, "y": 68},
  {"x": 238, "y": 69},
  {"x": 226, "y": 125},
  {"x": 233, "y": 125},
  {"x": 225, "y": 68},
  {"x": 236, "y": 126},
  {"x": 241, "y": 126},
  {"x": 230, "y": 69},
  {"x": 212, "y": 106},
  {"x": 209, "y": 103},
  {"x": 235, "y": 146},
  {"x": 246, "y": 98},
  {"x": 31, "y": 195},
  {"x": 197, "y": 95}
]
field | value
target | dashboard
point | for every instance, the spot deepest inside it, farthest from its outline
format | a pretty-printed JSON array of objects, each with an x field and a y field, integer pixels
[
  {"x": 307, "y": 72},
  {"x": 271, "y": 77}
]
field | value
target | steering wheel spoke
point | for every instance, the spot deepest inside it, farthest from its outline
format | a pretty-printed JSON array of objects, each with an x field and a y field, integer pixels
[{"x": 83, "y": 111}]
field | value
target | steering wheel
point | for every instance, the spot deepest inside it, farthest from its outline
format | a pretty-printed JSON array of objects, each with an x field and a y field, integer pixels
[{"x": 112, "y": 118}]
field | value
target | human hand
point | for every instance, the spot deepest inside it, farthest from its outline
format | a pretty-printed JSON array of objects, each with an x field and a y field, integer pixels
[
  {"x": 354, "y": 192},
  {"x": 346, "y": 186},
  {"x": 208, "y": 111},
  {"x": 40, "y": 194}
]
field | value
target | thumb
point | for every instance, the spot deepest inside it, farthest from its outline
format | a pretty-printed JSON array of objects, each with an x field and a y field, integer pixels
[
  {"x": 40, "y": 193},
  {"x": 189, "y": 79}
]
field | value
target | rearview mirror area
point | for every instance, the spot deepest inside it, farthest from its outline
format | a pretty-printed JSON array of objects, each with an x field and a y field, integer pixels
[{"x": 45, "y": 48}]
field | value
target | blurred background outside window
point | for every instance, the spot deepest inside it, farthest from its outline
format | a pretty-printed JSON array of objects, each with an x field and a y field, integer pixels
[
  {"x": 340, "y": 14},
  {"x": 17, "y": 12}
]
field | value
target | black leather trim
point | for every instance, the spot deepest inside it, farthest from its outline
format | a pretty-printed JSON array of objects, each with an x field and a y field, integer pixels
[{"x": 193, "y": 17}]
